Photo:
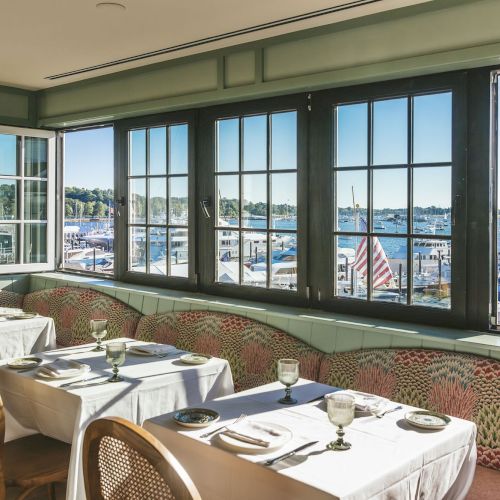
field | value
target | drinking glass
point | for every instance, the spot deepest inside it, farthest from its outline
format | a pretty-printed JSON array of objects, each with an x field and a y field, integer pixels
[
  {"x": 288, "y": 374},
  {"x": 340, "y": 409},
  {"x": 115, "y": 356},
  {"x": 99, "y": 331}
]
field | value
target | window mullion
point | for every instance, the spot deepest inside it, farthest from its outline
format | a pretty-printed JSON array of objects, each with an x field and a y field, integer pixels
[
  {"x": 369, "y": 214},
  {"x": 409, "y": 216}
]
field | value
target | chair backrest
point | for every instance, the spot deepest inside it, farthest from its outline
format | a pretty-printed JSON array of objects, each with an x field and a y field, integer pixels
[
  {"x": 252, "y": 348},
  {"x": 122, "y": 460}
]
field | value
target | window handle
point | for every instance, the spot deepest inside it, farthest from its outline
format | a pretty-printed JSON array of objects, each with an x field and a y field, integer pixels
[
  {"x": 204, "y": 207},
  {"x": 119, "y": 202}
]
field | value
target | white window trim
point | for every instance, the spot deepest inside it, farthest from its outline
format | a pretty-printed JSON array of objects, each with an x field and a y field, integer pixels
[{"x": 51, "y": 213}]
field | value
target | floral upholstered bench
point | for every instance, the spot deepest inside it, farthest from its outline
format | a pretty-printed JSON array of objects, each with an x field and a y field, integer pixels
[
  {"x": 11, "y": 299},
  {"x": 72, "y": 309},
  {"x": 252, "y": 348}
]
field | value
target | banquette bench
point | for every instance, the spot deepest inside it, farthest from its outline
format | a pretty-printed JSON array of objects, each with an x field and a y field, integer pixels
[{"x": 462, "y": 385}]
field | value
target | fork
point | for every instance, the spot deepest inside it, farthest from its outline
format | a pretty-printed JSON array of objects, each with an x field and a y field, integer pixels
[
  {"x": 239, "y": 419},
  {"x": 396, "y": 408}
]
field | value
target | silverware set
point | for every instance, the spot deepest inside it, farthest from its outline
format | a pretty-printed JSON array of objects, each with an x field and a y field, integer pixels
[
  {"x": 396, "y": 408},
  {"x": 223, "y": 427}
]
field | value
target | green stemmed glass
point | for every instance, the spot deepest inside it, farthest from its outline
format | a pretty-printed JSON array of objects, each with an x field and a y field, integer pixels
[
  {"x": 99, "y": 329},
  {"x": 115, "y": 356}
]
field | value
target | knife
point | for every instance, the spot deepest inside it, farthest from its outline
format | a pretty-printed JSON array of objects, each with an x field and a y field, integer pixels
[{"x": 273, "y": 461}]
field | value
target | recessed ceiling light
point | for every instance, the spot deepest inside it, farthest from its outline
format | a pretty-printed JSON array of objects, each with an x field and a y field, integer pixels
[{"x": 110, "y": 6}]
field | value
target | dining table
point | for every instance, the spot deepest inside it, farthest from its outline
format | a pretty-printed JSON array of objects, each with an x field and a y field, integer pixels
[
  {"x": 23, "y": 334},
  {"x": 62, "y": 409},
  {"x": 389, "y": 458}
]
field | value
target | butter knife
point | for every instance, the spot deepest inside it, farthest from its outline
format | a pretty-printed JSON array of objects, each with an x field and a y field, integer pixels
[{"x": 273, "y": 461}]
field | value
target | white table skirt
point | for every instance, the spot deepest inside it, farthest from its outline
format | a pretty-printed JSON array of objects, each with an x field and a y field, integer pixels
[
  {"x": 153, "y": 386},
  {"x": 20, "y": 337},
  {"x": 388, "y": 459}
]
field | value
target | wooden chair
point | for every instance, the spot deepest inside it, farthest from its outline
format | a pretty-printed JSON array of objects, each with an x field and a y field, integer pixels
[
  {"x": 123, "y": 461},
  {"x": 31, "y": 462}
]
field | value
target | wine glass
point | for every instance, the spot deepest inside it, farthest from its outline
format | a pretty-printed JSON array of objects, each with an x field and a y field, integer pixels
[
  {"x": 99, "y": 331},
  {"x": 340, "y": 409},
  {"x": 115, "y": 356},
  {"x": 288, "y": 374}
]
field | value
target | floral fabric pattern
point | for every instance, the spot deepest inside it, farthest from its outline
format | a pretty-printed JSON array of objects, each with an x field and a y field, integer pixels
[
  {"x": 457, "y": 384},
  {"x": 73, "y": 308},
  {"x": 10, "y": 299},
  {"x": 251, "y": 348}
]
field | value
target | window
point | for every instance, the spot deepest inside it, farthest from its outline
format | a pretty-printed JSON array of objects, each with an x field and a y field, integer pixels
[
  {"x": 88, "y": 201},
  {"x": 158, "y": 194},
  {"x": 256, "y": 192},
  {"x": 26, "y": 208}
]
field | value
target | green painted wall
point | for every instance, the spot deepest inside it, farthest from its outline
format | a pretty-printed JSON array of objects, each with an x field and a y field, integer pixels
[
  {"x": 437, "y": 36},
  {"x": 17, "y": 107}
]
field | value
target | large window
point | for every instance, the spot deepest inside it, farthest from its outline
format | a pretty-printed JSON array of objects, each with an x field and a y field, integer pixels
[
  {"x": 88, "y": 201},
  {"x": 26, "y": 200}
]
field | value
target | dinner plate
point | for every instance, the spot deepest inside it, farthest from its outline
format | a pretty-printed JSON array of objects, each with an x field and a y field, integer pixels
[
  {"x": 196, "y": 417},
  {"x": 427, "y": 419},
  {"x": 24, "y": 363},
  {"x": 85, "y": 369},
  {"x": 243, "y": 447},
  {"x": 194, "y": 358},
  {"x": 24, "y": 316}
]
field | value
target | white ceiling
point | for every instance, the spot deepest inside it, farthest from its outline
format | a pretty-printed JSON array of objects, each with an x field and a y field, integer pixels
[{"x": 39, "y": 38}]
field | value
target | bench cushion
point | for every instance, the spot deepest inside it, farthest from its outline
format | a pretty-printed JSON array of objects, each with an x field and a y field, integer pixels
[
  {"x": 73, "y": 308},
  {"x": 461, "y": 385},
  {"x": 252, "y": 348},
  {"x": 10, "y": 299}
]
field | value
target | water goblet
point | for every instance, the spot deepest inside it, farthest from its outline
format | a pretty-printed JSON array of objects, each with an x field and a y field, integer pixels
[
  {"x": 99, "y": 331},
  {"x": 340, "y": 409},
  {"x": 288, "y": 374},
  {"x": 115, "y": 356}
]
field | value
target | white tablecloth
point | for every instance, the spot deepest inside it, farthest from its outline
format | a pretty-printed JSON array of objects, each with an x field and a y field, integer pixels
[
  {"x": 20, "y": 337},
  {"x": 388, "y": 459},
  {"x": 152, "y": 386}
]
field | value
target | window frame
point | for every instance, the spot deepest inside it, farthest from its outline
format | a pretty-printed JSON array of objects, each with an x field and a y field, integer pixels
[
  {"x": 121, "y": 133},
  {"x": 322, "y": 151},
  {"x": 23, "y": 267}
]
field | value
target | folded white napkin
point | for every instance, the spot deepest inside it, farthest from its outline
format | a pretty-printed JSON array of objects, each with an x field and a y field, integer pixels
[
  {"x": 64, "y": 368},
  {"x": 153, "y": 349},
  {"x": 10, "y": 310},
  {"x": 254, "y": 433},
  {"x": 365, "y": 402}
]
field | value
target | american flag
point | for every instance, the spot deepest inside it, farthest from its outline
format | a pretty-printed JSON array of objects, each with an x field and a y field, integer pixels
[{"x": 381, "y": 270}]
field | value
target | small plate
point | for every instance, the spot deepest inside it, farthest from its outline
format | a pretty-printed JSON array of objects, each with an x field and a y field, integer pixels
[
  {"x": 24, "y": 316},
  {"x": 249, "y": 448},
  {"x": 196, "y": 417},
  {"x": 427, "y": 419},
  {"x": 194, "y": 358},
  {"x": 24, "y": 363}
]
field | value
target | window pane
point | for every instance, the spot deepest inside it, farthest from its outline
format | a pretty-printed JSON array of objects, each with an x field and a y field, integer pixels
[
  {"x": 254, "y": 201},
  {"x": 158, "y": 200},
  {"x": 228, "y": 145},
  {"x": 35, "y": 243},
  {"x": 35, "y": 157},
  {"x": 228, "y": 193},
  {"x": 254, "y": 258},
  {"x": 137, "y": 249},
  {"x": 8, "y": 199},
  {"x": 432, "y": 128},
  {"x": 352, "y": 135},
  {"x": 8, "y": 154},
  {"x": 432, "y": 273},
  {"x": 137, "y": 203},
  {"x": 8, "y": 243},
  {"x": 390, "y": 200},
  {"x": 227, "y": 256},
  {"x": 432, "y": 200},
  {"x": 158, "y": 250},
  {"x": 179, "y": 254},
  {"x": 178, "y": 149},
  {"x": 389, "y": 258},
  {"x": 390, "y": 128},
  {"x": 352, "y": 188},
  {"x": 157, "y": 151},
  {"x": 178, "y": 203},
  {"x": 284, "y": 140},
  {"x": 351, "y": 266},
  {"x": 35, "y": 200},
  {"x": 138, "y": 152},
  {"x": 255, "y": 142},
  {"x": 284, "y": 261},
  {"x": 284, "y": 201}
]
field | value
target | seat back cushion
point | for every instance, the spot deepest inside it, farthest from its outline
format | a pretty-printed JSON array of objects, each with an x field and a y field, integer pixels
[
  {"x": 252, "y": 348},
  {"x": 10, "y": 299},
  {"x": 73, "y": 308},
  {"x": 460, "y": 385}
]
